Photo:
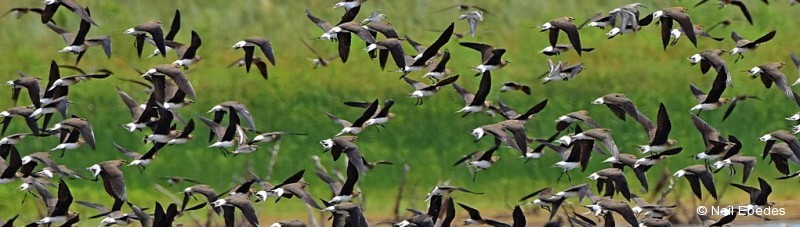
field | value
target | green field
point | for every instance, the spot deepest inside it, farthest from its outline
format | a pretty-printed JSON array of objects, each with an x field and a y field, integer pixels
[{"x": 429, "y": 137}]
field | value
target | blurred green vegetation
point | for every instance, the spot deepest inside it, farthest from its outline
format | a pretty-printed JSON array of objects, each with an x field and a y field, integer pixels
[{"x": 429, "y": 137}]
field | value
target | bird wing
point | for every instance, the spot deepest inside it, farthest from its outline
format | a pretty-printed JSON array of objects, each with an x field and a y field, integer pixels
[
  {"x": 779, "y": 79},
  {"x": 473, "y": 213},
  {"x": 483, "y": 90},
  {"x": 324, "y": 25},
  {"x": 174, "y": 27},
  {"x": 741, "y": 6},
  {"x": 664, "y": 126},
  {"x": 484, "y": 49},
  {"x": 431, "y": 50}
]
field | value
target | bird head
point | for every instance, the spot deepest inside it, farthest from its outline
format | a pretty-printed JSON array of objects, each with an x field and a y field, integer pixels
[{"x": 671, "y": 142}]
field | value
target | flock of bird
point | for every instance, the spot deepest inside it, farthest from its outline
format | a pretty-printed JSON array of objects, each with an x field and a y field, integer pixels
[{"x": 577, "y": 138}]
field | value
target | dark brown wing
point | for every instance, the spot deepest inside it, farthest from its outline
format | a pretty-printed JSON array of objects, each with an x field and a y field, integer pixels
[
  {"x": 438, "y": 44},
  {"x": 324, "y": 25},
  {"x": 533, "y": 110},
  {"x": 344, "y": 45},
  {"x": 483, "y": 90},
  {"x": 718, "y": 87},
  {"x": 686, "y": 26},
  {"x": 191, "y": 52},
  {"x": 174, "y": 27},
  {"x": 664, "y": 126},
  {"x": 572, "y": 34},
  {"x": 398, "y": 56},
  {"x": 741, "y": 6},
  {"x": 666, "y": 28},
  {"x": 114, "y": 184},
  {"x": 64, "y": 200},
  {"x": 368, "y": 113},
  {"x": 81, "y": 35},
  {"x": 48, "y": 12},
  {"x": 485, "y": 49},
  {"x": 765, "y": 38}
]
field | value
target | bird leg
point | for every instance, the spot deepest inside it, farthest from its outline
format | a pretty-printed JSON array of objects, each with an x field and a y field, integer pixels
[
  {"x": 559, "y": 176},
  {"x": 674, "y": 42},
  {"x": 569, "y": 178},
  {"x": 25, "y": 197},
  {"x": 224, "y": 151},
  {"x": 62, "y": 153},
  {"x": 404, "y": 73}
]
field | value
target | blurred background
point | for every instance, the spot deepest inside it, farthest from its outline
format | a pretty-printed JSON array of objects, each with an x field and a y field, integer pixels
[{"x": 430, "y": 137}]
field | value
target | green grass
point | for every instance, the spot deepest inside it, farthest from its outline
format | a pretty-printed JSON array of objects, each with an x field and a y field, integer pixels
[{"x": 428, "y": 137}]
